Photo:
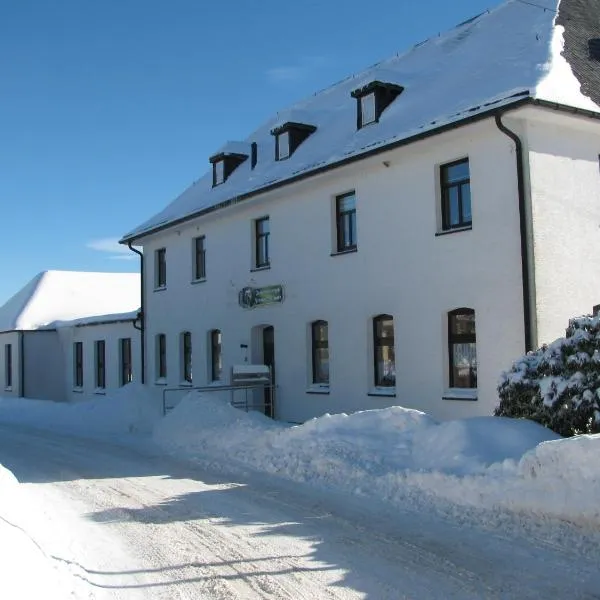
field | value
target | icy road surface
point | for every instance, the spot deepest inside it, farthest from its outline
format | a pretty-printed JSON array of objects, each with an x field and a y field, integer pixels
[{"x": 125, "y": 522}]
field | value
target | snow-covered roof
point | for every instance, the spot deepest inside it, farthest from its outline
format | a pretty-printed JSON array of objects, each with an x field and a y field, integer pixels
[
  {"x": 498, "y": 58},
  {"x": 53, "y": 296}
]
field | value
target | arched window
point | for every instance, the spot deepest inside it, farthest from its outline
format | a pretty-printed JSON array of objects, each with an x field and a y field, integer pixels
[
  {"x": 383, "y": 351},
  {"x": 186, "y": 356},
  {"x": 320, "y": 352},
  {"x": 216, "y": 359},
  {"x": 462, "y": 350}
]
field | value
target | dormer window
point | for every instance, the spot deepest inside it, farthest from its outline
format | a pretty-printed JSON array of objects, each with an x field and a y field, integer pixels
[
  {"x": 224, "y": 164},
  {"x": 289, "y": 136},
  {"x": 372, "y": 99}
]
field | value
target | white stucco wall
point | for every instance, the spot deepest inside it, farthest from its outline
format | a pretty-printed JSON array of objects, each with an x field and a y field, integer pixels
[
  {"x": 565, "y": 202},
  {"x": 43, "y": 366},
  {"x": 111, "y": 333},
  {"x": 401, "y": 268},
  {"x": 12, "y": 338}
]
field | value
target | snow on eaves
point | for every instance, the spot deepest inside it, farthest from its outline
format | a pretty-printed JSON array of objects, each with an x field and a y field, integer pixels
[
  {"x": 55, "y": 296},
  {"x": 495, "y": 59}
]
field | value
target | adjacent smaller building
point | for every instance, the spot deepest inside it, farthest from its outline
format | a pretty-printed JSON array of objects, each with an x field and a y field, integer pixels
[{"x": 68, "y": 335}]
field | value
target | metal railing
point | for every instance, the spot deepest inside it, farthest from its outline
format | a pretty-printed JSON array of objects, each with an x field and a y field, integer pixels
[{"x": 247, "y": 404}]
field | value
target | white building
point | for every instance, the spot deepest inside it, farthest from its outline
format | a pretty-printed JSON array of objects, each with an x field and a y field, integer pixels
[
  {"x": 66, "y": 335},
  {"x": 400, "y": 237}
]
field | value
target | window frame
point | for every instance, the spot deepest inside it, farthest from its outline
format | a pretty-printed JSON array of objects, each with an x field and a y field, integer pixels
[
  {"x": 219, "y": 172},
  {"x": 445, "y": 187},
  {"x": 186, "y": 356},
  {"x": 341, "y": 245},
  {"x": 216, "y": 355},
  {"x": 316, "y": 345},
  {"x": 160, "y": 268},
  {"x": 100, "y": 364},
  {"x": 161, "y": 356},
  {"x": 77, "y": 365},
  {"x": 284, "y": 135},
  {"x": 370, "y": 97},
  {"x": 458, "y": 338},
  {"x": 383, "y": 342},
  {"x": 8, "y": 366},
  {"x": 125, "y": 366},
  {"x": 199, "y": 257},
  {"x": 262, "y": 258}
]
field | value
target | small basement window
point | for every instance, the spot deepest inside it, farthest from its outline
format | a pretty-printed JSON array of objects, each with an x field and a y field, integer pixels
[
  {"x": 289, "y": 136},
  {"x": 372, "y": 99}
]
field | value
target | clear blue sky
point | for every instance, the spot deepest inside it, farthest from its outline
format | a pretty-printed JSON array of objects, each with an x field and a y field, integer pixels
[{"x": 109, "y": 109}]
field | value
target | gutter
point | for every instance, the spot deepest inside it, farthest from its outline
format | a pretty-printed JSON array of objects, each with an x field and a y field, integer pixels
[
  {"x": 142, "y": 318},
  {"x": 525, "y": 271}
]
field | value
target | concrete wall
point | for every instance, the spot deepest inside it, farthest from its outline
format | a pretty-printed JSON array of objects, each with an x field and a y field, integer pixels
[
  {"x": 565, "y": 205},
  {"x": 11, "y": 338},
  {"x": 44, "y": 365},
  {"x": 401, "y": 268},
  {"x": 111, "y": 333}
]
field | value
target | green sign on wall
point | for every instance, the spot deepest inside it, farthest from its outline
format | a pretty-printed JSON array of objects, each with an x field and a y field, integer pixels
[{"x": 250, "y": 297}]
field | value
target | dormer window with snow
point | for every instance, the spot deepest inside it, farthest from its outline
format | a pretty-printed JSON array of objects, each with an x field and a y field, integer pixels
[
  {"x": 289, "y": 136},
  {"x": 224, "y": 164},
  {"x": 372, "y": 99}
]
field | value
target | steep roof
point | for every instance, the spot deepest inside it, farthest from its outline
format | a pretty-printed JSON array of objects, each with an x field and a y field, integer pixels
[
  {"x": 53, "y": 296},
  {"x": 513, "y": 52}
]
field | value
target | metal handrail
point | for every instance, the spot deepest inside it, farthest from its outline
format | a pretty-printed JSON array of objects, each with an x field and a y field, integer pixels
[{"x": 222, "y": 388}]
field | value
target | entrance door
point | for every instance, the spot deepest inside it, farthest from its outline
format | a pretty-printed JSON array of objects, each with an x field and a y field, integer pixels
[{"x": 268, "y": 342}]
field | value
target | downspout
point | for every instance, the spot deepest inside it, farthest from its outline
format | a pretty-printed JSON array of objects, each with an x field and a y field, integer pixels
[
  {"x": 527, "y": 321},
  {"x": 142, "y": 315},
  {"x": 22, "y": 364}
]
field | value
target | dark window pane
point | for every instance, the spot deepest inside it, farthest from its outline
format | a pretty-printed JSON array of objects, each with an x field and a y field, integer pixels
[
  {"x": 465, "y": 190},
  {"x": 457, "y": 172},
  {"x": 453, "y": 206}
]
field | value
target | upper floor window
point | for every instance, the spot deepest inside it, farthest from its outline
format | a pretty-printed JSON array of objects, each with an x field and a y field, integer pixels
[
  {"x": 199, "y": 258},
  {"x": 289, "y": 136},
  {"x": 78, "y": 364},
  {"x": 219, "y": 173},
  {"x": 160, "y": 269},
  {"x": 283, "y": 145},
  {"x": 8, "y": 365},
  {"x": 186, "y": 356},
  {"x": 261, "y": 238},
  {"x": 345, "y": 211},
  {"x": 161, "y": 356},
  {"x": 462, "y": 348},
  {"x": 125, "y": 361},
  {"x": 320, "y": 353},
  {"x": 384, "y": 352},
  {"x": 216, "y": 358},
  {"x": 372, "y": 99},
  {"x": 456, "y": 195},
  {"x": 100, "y": 352}
]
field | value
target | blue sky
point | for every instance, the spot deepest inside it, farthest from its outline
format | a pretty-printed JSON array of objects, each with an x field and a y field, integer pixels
[{"x": 110, "y": 109}]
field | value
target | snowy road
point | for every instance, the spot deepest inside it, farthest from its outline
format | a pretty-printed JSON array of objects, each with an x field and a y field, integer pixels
[{"x": 128, "y": 523}]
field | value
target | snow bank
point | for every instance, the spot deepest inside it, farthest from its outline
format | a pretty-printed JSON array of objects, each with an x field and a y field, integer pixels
[
  {"x": 401, "y": 455},
  {"x": 27, "y": 572},
  {"x": 131, "y": 409}
]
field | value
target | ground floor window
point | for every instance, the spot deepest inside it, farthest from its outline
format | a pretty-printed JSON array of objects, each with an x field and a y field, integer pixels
[
  {"x": 216, "y": 358},
  {"x": 8, "y": 365},
  {"x": 384, "y": 352},
  {"x": 462, "y": 349},
  {"x": 320, "y": 353},
  {"x": 100, "y": 352},
  {"x": 161, "y": 356},
  {"x": 125, "y": 360},
  {"x": 186, "y": 354},
  {"x": 78, "y": 364}
]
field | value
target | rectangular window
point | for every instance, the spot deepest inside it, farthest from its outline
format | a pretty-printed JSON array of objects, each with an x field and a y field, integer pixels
[
  {"x": 78, "y": 364},
  {"x": 186, "y": 354},
  {"x": 100, "y": 352},
  {"x": 462, "y": 349},
  {"x": 384, "y": 353},
  {"x": 283, "y": 145},
  {"x": 161, "y": 268},
  {"x": 456, "y": 195},
  {"x": 219, "y": 172},
  {"x": 345, "y": 210},
  {"x": 199, "y": 258},
  {"x": 320, "y": 353},
  {"x": 367, "y": 109},
  {"x": 8, "y": 365},
  {"x": 216, "y": 360},
  {"x": 125, "y": 360},
  {"x": 161, "y": 356},
  {"x": 261, "y": 233}
]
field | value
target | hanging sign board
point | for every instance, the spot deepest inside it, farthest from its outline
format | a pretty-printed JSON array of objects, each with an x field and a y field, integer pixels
[{"x": 250, "y": 297}]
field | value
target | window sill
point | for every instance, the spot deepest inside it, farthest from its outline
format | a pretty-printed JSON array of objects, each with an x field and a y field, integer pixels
[
  {"x": 8, "y": 388},
  {"x": 264, "y": 268},
  {"x": 195, "y": 281},
  {"x": 457, "y": 230},
  {"x": 185, "y": 384},
  {"x": 318, "y": 389},
  {"x": 160, "y": 289},
  {"x": 342, "y": 252},
  {"x": 385, "y": 392},
  {"x": 77, "y": 390},
  {"x": 100, "y": 391},
  {"x": 467, "y": 394},
  {"x": 161, "y": 381}
]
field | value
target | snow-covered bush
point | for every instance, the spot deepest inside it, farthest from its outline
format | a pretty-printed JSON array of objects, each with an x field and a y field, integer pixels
[{"x": 559, "y": 384}]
